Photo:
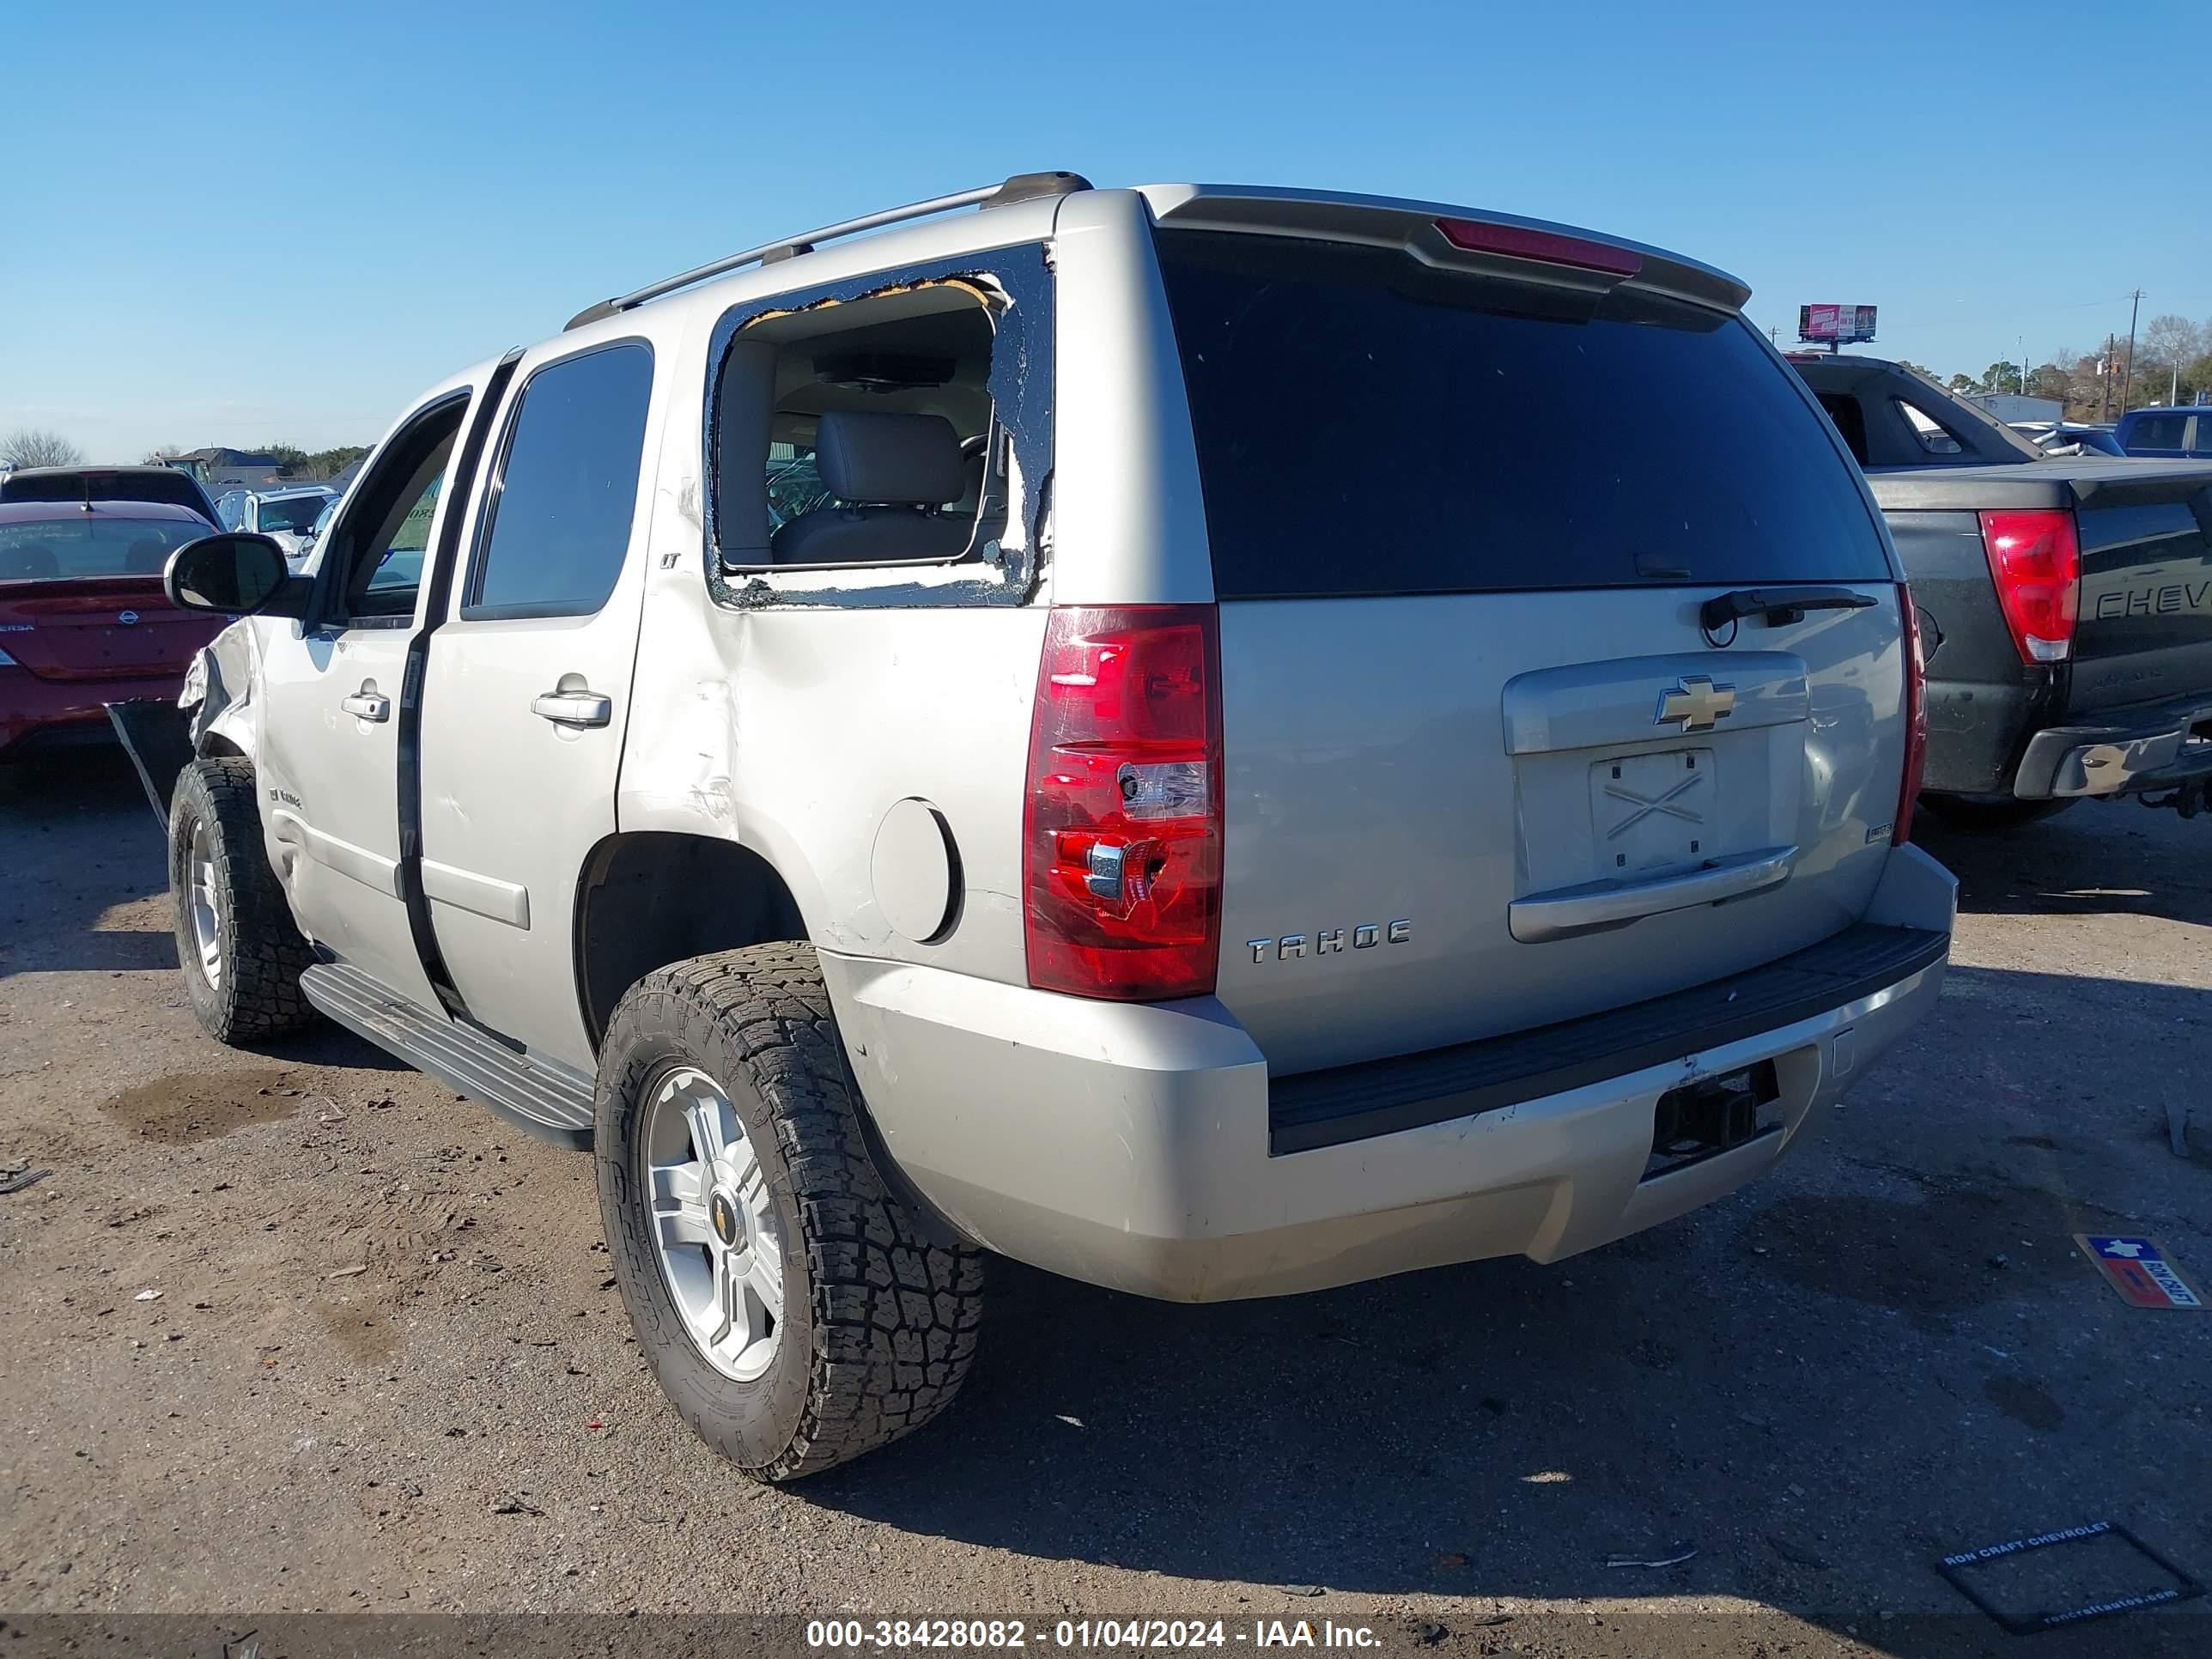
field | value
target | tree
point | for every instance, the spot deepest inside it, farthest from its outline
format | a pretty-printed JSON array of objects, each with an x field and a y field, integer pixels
[
  {"x": 1999, "y": 377},
  {"x": 2169, "y": 343},
  {"x": 34, "y": 446},
  {"x": 1961, "y": 384},
  {"x": 1921, "y": 370},
  {"x": 2051, "y": 381},
  {"x": 325, "y": 462}
]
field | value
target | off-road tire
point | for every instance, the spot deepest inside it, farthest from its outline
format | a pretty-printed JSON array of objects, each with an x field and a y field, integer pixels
[
  {"x": 1992, "y": 813},
  {"x": 262, "y": 950},
  {"x": 879, "y": 1322}
]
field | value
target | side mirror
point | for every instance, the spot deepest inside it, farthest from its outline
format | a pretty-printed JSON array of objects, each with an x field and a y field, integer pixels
[{"x": 235, "y": 573}]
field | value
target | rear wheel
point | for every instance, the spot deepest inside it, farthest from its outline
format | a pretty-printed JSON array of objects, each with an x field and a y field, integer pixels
[
  {"x": 241, "y": 952},
  {"x": 1992, "y": 811},
  {"x": 792, "y": 1310}
]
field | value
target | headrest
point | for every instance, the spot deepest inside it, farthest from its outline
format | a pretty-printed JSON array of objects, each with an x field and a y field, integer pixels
[{"x": 884, "y": 460}]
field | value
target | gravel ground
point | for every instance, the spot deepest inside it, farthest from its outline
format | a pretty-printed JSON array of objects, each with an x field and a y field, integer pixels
[{"x": 299, "y": 1331}]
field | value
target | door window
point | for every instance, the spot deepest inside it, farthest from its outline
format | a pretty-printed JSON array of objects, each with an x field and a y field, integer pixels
[
  {"x": 379, "y": 545},
  {"x": 557, "y": 530},
  {"x": 384, "y": 580}
]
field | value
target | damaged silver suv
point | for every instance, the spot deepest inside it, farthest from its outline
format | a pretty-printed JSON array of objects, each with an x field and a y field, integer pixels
[{"x": 1137, "y": 730}]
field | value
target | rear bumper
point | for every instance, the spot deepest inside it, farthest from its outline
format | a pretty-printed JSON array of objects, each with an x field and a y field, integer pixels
[
  {"x": 1975, "y": 731},
  {"x": 36, "y": 713},
  {"x": 1129, "y": 1145},
  {"x": 2127, "y": 752}
]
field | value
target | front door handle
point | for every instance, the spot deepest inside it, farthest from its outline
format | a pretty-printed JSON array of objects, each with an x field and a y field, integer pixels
[
  {"x": 573, "y": 707},
  {"x": 367, "y": 703}
]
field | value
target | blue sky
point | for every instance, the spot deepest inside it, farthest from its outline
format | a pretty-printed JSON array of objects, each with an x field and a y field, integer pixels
[{"x": 216, "y": 232}]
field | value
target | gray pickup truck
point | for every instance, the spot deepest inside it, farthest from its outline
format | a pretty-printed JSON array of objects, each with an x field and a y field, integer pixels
[
  {"x": 2067, "y": 601},
  {"x": 1108, "y": 823}
]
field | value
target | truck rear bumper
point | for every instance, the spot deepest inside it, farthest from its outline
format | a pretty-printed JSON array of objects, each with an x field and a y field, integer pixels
[
  {"x": 2132, "y": 751},
  {"x": 1128, "y": 1144}
]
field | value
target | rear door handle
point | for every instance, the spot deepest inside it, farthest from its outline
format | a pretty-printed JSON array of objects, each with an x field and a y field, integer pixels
[
  {"x": 368, "y": 704},
  {"x": 573, "y": 707},
  {"x": 1568, "y": 911}
]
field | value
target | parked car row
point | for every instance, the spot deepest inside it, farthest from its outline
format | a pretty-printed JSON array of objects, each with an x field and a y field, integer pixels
[
  {"x": 287, "y": 516},
  {"x": 1094, "y": 823}
]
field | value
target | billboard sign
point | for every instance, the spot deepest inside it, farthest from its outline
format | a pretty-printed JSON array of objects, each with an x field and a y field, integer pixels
[{"x": 1837, "y": 325}]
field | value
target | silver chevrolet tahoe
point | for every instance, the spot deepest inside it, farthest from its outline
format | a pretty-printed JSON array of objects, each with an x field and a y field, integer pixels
[{"x": 1149, "y": 732}]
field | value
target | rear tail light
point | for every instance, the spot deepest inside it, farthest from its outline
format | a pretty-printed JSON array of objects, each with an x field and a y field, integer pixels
[
  {"x": 1544, "y": 247},
  {"x": 2037, "y": 563},
  {"x": 1916, "y": 717},
  {"x": 1121, "y": 831}
]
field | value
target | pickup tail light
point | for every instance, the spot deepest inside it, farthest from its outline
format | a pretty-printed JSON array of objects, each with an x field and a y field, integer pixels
[
  {"x": 1916, "y": 717},
  {"x": 2035, "y": 558},
  {"x": 1121, "y": 831}
]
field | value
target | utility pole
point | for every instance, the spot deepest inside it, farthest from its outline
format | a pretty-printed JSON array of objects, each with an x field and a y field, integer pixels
[
  {"x": 2105, "y": 383},
  {"x": 2128, "y": 374},
  {"x": 2022, "y": 343}
]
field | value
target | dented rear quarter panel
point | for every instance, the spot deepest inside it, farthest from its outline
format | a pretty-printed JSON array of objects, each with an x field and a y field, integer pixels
[{"x": 793, "y": 727}]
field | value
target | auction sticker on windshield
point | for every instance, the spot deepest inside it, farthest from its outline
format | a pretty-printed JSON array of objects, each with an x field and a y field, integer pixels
[{"x": 2138, "y": 1270}]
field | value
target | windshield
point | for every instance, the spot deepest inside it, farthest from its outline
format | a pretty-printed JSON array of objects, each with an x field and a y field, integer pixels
[
  {"x": 291, "y": 513},
  {"x": 63, "y": 549}
]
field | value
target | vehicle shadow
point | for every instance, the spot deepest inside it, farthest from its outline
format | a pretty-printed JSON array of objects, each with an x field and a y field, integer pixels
[
  {"x": 83, "y": 848},
  {"x": 90, "y": 887},
  {"x": 2094, "y": 859},
  {"x": 1883, "y": 1352}
]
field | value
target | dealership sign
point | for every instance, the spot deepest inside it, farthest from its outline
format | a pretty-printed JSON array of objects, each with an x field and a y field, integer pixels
[{"x": 1839, "y": 323}]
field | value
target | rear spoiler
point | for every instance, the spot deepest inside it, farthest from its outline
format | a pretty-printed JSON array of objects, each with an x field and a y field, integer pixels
[{"x": 1420, "y": 227}]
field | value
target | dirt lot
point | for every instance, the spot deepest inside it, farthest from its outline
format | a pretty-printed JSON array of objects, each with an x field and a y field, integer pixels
[{"x": 302, "y": 1331}]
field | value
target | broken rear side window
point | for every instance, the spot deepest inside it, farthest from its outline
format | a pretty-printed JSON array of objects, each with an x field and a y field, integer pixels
[{"x": 862, "y": 433}]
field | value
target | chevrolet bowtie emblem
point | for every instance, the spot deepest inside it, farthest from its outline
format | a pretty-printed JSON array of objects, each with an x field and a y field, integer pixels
[{"x": 1695, "y": 703}]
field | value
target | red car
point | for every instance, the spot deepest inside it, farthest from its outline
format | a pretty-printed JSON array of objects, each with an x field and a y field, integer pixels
[{"x": 82, "y": 621}]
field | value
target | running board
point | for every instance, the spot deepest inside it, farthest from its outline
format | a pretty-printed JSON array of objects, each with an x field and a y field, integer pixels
[{"x": 542, "y": 1103}]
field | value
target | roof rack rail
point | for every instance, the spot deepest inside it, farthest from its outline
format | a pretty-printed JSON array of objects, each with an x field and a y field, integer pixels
[{"x": 1022, "y": 187}]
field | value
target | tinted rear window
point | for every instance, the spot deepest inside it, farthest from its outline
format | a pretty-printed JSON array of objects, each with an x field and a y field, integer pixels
[
  {"x": 1367, "y": 425},
  {"x": 2154, "y": 432},
  {"x": 172, "y": 487}
]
